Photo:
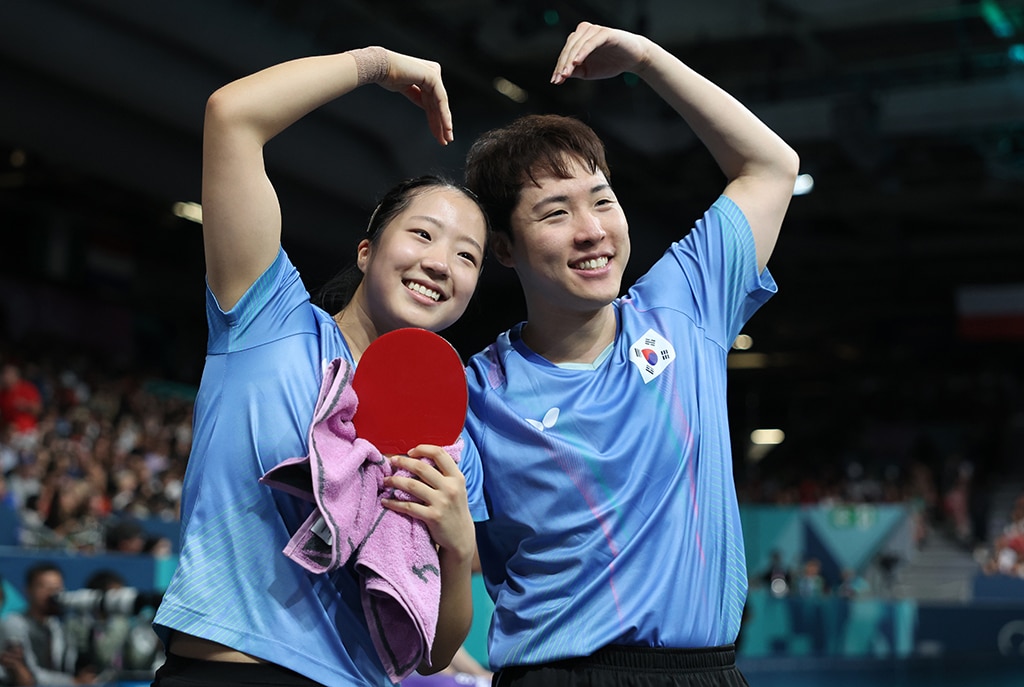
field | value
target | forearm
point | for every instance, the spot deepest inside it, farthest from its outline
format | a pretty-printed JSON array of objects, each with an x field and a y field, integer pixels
[
  {"x": 455, "y": 613},
  {"x": 740, "y": 143},
  {"x": 265, "y": 103}
]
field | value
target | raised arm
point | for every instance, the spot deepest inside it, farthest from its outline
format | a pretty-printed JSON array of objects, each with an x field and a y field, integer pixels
[
  {"x": 241, "y": 213},
  {"x": 760, "y": 167}
]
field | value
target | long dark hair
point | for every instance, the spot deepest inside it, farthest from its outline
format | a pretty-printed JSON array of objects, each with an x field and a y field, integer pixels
[{"x": 336, "y": 293}]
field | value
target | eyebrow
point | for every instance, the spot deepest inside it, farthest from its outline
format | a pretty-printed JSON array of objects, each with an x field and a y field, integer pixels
[
  {"x": 476, "y": 244},
  {"x": 437, "y": 223},
  {"x": 563, "y": 198},
  {"x": 433, "y": 220}
]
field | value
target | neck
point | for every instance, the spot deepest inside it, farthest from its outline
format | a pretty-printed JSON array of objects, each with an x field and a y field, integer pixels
[
  {"x": 357, "y": 328},
  {"x": 571, "y": 337}
]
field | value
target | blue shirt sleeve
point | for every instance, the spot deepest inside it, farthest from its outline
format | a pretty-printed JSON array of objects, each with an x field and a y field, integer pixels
[{"x": 472, "y": 471}]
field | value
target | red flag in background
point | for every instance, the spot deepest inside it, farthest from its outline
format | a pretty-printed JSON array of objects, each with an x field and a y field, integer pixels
[{"x": 991, "y": 313}]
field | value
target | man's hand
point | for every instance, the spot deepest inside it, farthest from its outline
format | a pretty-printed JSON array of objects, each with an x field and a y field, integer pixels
[{"x": 597, "y": 52}]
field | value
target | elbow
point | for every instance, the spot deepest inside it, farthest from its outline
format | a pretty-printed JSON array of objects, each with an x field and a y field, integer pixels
[
  {"x": 789, "y": 165},
  {"x": 438, "y": 663},
  {"x": 424, "y": 669},
  {"x": 233, "y": 106},
  {"x": 220, "y": 106}
]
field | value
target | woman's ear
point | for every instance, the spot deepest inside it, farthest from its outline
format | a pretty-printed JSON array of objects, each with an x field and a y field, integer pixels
[
  {"x": 501, "y": 247},
  {"x": 363, "y": 255}
]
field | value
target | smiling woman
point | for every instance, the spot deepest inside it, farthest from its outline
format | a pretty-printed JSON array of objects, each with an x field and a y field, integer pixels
[
  {"x": 428, "y": 248},
  {"x": 237, "y": 610}
]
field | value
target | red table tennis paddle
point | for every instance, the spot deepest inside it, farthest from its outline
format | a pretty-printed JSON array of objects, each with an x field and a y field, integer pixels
[{"x": 412, "y": 390}]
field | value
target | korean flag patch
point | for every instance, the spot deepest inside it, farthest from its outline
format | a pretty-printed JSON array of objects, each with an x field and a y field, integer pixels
[{"x": 651, "y": 354}]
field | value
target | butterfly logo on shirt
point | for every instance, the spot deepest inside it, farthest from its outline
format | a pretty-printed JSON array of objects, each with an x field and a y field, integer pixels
[{"x": 550, "y": 418}]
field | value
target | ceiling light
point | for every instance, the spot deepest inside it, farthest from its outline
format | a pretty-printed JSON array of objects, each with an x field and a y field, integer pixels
[
  {"x": 804, "y": 185},
  {"x": 767, "y": 437},
  {"x": 193, "y": 212},
  {"x": 743, "y": 342},
  {"x": 510, "y": 90}
]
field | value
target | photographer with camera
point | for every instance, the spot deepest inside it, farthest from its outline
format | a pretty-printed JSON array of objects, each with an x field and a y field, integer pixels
[
  {"x": 111, "y": 626},
  {"x": 48, "y": 654}
]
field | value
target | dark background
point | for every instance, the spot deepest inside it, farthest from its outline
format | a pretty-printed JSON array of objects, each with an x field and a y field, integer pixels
[{"x": 909, "y": 115}]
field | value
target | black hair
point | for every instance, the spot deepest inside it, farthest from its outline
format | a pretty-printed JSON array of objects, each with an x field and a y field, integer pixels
[
  {"x": 503, "y": 160},
  {"x": 336, "y": 293},
  {"x": 38, "y": 570},
  {"x": 104, "y": 579}
]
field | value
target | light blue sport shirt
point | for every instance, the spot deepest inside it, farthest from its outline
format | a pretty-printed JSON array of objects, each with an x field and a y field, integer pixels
[
  {"x": 233, "y": 585},
  {"x": 613, "y": 512}
]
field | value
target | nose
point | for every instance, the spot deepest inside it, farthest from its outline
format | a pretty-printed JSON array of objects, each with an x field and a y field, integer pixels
[
  {"x": 590, "y": 229},
  {"x": 436, "y": 263}
]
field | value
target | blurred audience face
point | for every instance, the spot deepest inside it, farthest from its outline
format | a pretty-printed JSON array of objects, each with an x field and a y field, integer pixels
[{"x": 41, "y": 591}]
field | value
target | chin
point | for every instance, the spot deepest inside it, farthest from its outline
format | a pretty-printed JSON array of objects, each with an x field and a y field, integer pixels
[{"x": 433, "y": 324}]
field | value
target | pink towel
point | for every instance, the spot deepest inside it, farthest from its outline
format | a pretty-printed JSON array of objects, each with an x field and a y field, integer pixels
[{"x": 394, "y": 554}]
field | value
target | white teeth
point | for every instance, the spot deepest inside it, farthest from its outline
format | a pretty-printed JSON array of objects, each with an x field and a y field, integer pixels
[
  {"x": 594, "y": 264},
  {"x": 420, "y": 289}
]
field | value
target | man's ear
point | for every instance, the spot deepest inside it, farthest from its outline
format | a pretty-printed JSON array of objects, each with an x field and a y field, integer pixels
[
  {"x": 501, "y": 246},
  {"x": 363, "y": 255}
]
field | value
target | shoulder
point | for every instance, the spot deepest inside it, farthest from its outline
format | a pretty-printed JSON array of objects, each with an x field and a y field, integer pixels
[
  {"x": 13, "y": 623},
  {"x": 487, "y": 367}
]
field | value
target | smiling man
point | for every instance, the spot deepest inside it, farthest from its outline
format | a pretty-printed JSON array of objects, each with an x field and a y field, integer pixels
[{"x": 613, "y": 551}]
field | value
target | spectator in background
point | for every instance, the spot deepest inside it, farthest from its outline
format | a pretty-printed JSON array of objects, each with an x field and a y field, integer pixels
[
  {"x": 127, "y": 535},
  {"x": 49, "y": 655},
  {"x": 21, "y": 404},
  {"x": 1007, "y": 556},
  {"x": 13, "y": 670},
  {"x": 956, "y": 503},
  {"x": 810, "y": 584},
  {"x": 852, "y": 585},
  {"x": 24, "y": 480},
  {"x": 777, "y": 577},
  {"x": 70, "y": 516}
]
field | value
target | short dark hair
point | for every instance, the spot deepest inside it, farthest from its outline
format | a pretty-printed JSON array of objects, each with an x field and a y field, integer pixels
[
  {"x": 38, "y": 570},
  {"x": 336, "y": 293},
  {"x": 104, "y": 579},
  {"x": 502, "y": 160}
]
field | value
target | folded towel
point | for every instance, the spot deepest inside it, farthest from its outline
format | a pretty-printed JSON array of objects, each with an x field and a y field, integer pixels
[
  {"x": 401, "y": 586},
  {"x": 394, "y": 554}
]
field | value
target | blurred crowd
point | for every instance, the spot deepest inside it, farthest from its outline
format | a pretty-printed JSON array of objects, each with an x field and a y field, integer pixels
[
  {"x": 87, "y": 454},
  {"x": 1006, "y": 554}
]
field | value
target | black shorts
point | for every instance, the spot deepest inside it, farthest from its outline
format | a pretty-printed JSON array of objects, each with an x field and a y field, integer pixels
[
  {"x": 628, "y": 666},
  {"x": 178, "y": 671}
]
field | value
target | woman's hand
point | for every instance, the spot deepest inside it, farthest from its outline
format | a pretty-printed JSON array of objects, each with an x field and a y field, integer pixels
[
  {"x": 439, "y": 498},
  {"x": 420, "y": 81}
]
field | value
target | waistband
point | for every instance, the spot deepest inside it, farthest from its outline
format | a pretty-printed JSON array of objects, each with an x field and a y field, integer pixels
[
  {"x": 224, "y": 673},
  {"x": 649, "y": 659}
]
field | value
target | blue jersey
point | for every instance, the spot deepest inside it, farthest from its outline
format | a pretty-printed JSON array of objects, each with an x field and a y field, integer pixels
[
  {"x": 613, "y": 513},
  {"x": 233, "y": 584}
]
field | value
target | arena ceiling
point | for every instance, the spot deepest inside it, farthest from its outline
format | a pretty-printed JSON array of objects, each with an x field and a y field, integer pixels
[{"x": 909, "y": 115}]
